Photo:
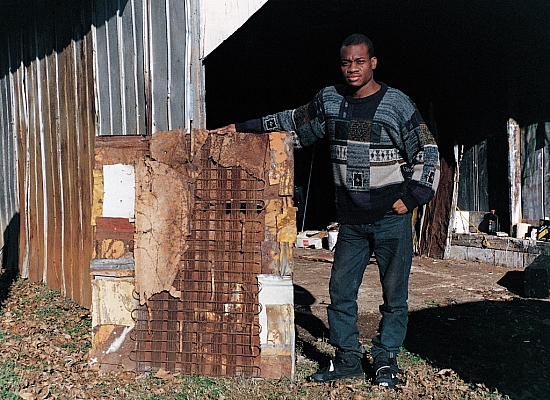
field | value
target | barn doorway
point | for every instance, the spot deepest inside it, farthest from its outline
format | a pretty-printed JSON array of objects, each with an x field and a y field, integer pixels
[{"x": 469, "y": 66}]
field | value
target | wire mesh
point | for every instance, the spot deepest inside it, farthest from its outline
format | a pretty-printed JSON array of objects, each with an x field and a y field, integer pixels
[{"x": 213, "y": 328}]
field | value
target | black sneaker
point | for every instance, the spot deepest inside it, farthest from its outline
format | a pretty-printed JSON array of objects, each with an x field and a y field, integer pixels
[
  {"x": 386, "y": 370},
  {"x": 345, "y": 365}
]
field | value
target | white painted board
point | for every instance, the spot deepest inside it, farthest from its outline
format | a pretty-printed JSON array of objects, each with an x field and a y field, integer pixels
[{"x": 119, "y": 183}]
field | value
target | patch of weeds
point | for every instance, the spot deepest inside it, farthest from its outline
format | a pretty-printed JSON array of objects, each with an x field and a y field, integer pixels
[
  {"x": 202, "y": 387},
  {"x": 49, "y": 294},
  {"x": 44, "y": 312},
  {"x": 70, "y": 346},
  {"x": 80, "y": 328},
  {"x": 180, "y": 396},
  {"x": 8, "y": 381},
  {"x": 324, "y": 347},
  {"x": 305, "y": 367},
  {"x": 433, "y": 303},
  {"x": 408, "y": 358},
  {"x": 8, "y": 335},
  {"x": 34, "y": 367}
]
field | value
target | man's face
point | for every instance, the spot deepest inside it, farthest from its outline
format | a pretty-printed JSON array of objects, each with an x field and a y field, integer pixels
[{"x": 357, "y": 65}]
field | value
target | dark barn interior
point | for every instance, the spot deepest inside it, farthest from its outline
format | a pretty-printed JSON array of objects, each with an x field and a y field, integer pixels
[{"x": 468, "y": 65}]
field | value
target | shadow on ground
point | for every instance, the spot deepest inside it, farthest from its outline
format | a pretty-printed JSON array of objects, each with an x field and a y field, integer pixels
[
  {"x": 304, "y": 318},
  {"x": 502, "y": 344},
  {"x": 9, "y": 257}
]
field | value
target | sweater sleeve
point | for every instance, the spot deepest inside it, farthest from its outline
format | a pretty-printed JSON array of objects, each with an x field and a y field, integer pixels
[
  {"x": 306, "y": 123},
  {"x": 423, "y": 163}
]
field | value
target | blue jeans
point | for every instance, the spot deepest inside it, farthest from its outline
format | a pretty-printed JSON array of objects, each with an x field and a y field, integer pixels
[{"x": 390, "y": 239}]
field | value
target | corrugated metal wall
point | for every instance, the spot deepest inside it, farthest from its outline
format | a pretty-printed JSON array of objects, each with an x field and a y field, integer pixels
[
  {"x": 120, "y": 87},
  {"x": 142, "y": 83},
  {"x": 535, "y": 165},
  {"x": 473, "y": 192},
  {"x": 9, "y": 216},
  {"x": 51, "y": 107},
  {"x": 70, "y": 70}
]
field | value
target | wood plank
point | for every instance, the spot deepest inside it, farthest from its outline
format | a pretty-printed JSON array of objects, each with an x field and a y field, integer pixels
[
  {"x": 75, "y": 181},
  {"x": 113, "y": 228},
  {"x": 514, "y": 173},
  {"x": 20, "y": 131},
  {"x": 36, "y": 199},
  {"x": 87, "y": 141},
  {"x": 67, "y": 185},
  {"x": 110, "y": 150},
  {"x": 45, "y": 147},
  {"x": 55, "y": 247}
]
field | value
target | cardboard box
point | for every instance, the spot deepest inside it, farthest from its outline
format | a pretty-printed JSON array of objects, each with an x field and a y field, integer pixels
[{"x": 310, "y": 239}]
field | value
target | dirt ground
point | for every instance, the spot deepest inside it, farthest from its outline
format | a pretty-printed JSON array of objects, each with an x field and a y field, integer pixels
[
  {"x": 468, "y": 317},
  {"x": 471, "y": 336}
]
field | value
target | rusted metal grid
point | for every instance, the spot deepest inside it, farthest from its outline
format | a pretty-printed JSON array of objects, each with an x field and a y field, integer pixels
[{"x": 213, "y": 329}]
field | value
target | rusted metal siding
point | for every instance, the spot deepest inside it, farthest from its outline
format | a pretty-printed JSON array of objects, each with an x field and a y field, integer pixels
[{"x": 52, "y": 110}]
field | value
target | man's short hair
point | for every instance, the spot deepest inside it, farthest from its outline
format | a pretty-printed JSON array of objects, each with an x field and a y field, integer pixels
[{"x": 358, "y": 38}]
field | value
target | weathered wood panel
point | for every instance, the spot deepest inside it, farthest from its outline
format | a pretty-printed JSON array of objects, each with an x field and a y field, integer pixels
[
  {"x": 437, "y": 213},
  {"x": 35, "y": 194},
  {"x": 52, "y": 191}
]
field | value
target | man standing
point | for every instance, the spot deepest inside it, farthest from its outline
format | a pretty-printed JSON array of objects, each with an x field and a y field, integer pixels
[{"x": 385, "y": 162}]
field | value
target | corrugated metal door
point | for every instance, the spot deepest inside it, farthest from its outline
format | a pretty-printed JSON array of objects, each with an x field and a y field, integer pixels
[{"x": 473, "y": 184}]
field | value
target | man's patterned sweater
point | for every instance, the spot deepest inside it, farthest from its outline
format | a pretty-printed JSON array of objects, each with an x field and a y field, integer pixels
[{"x": 381, "y": 149}]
